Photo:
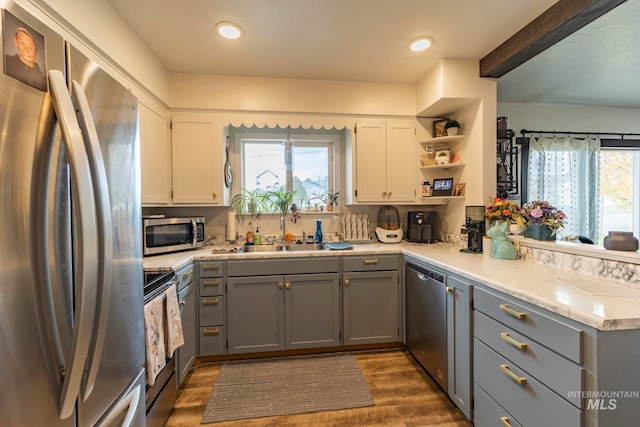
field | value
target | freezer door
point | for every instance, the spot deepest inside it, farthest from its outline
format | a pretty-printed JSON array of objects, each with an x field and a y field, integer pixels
[
  {"x": 115, "y": 114},
  {"x": 30, "y": 366}
]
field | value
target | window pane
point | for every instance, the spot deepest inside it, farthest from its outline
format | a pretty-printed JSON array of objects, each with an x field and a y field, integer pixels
[
  {"x": 263, "y": 165},
  {"x": 310, "y": 172},
  {"x": 617, "y": 192}
]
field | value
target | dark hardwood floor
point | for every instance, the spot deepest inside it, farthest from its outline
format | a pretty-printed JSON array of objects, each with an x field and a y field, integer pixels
[{"x": 404, "y": 395}]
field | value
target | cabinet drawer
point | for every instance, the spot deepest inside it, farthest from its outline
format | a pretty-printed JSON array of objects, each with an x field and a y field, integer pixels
[
  {"x": 212, "y": 310},
  {"x": 275, "y": 266},
  {"x": 211, "y": 269},
  {"x": 370, "y": 263},
  {"x": 211, "y": 340},
  {"x": 548, "y": 367},
  {"x": 558, "y": 336},
  {"x": 185, "y": 276},
  {"x": 211, "y": 286},
  {"x": 487, "y": 412},
  {"x": 531, "y": 403}
]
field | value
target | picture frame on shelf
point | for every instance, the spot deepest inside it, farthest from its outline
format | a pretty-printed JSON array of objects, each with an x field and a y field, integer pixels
[
  {"x": 459, "y": 190},
  {"x": 438, "y": 128}
]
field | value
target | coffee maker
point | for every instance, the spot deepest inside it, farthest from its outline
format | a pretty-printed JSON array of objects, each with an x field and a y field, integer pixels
[
  {"x": 474, "y": 228},
  {"x": 422, "y": 227}
]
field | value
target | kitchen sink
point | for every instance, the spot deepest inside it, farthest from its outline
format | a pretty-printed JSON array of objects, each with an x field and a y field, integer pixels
[
  {"x": 305, "y": 247},
  {"x": 262, "y": 248}
]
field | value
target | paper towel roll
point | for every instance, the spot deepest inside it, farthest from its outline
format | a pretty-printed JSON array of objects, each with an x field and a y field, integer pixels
[{"x": 231, "y": 226}]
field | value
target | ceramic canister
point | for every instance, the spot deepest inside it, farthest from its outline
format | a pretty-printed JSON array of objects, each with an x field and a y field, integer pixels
[{"x": 621, "y": 241}]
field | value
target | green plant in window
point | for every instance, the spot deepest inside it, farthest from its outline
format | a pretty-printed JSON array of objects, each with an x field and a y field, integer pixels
[
  {"x": 251, "y": 202},
  {"x": 281, "y": 200}
]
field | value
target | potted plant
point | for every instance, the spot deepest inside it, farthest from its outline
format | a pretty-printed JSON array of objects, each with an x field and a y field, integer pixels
[
  {"x": 503, "y": 210},
  {"x": 329, "y": 198},
  {"x": 542, "y": 220},
  {"x": 252, "y": 202},
  {"x": 281, "y": 200},
  {"x": 452, "y": 126}
]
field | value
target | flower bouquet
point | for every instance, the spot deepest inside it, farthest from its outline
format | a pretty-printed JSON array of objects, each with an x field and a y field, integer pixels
[
  {"x": 504, "y": 210},
  {"x": 542, "y": 219}
]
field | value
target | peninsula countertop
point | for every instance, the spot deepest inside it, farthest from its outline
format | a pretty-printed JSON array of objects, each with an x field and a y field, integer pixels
[{"x": 600, "y": 303}]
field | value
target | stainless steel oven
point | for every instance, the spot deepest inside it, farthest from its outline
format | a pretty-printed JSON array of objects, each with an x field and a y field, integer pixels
[
  {"x": 164, "y": 235},
  {"x": 161, "y": 396}
]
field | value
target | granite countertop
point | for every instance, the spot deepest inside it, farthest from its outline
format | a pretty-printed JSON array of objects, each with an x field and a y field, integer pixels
[{"x": 596, "y": 302}]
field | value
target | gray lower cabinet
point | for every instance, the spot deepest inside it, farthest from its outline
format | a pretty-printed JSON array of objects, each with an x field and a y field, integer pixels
[
  {"x": 270, "y": 313},
  {"x": 211, "y": 308},
  {"x": 371, "y": 295},
  {"x": 186, "y": 354},
  {"x": 280, "y": 304},
  {"x": 528, "y": 364},
  {"x": 460, "y": 343}
]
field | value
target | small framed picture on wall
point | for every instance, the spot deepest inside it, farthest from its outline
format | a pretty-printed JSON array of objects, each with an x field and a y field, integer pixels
[{"x": 459, "y": 190}]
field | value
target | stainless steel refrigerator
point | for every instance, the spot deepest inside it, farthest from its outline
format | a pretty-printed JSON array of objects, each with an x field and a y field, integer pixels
[{"x": 71, "y": 306}]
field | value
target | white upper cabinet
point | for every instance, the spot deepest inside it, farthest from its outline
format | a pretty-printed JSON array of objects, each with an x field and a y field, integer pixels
[
  {"x": 197, "y": 158},
  {"x": 385, "y": 163},
  {"x": 155, "y": 157}
]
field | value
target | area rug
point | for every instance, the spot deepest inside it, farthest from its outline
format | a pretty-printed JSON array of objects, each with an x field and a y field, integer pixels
[{"x": 287, "y": 386}]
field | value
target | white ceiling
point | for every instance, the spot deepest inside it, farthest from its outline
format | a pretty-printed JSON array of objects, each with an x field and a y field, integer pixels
[
  {"x": 366, "y": 40},
  {"x": 348, "y": 40},
  {"x": 597, "y": 65}
]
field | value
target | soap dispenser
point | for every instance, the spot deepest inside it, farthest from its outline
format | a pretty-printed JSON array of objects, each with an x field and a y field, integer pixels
[
  {"x": 318, "y": 231},
  {"x": 257, "y": 238}
]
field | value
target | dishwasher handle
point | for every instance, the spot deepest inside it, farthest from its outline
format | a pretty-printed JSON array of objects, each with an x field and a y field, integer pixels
[{"x": 424, "y": 275}]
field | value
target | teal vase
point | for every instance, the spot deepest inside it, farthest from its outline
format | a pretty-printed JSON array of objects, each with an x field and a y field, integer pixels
[{"x": 539, "y": 232}]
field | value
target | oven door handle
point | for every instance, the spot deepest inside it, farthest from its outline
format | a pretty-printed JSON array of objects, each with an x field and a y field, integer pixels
[{"x": 105, "y": 238}]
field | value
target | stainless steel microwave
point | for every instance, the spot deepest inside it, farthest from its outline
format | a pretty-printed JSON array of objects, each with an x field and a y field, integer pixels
[{"x": 164, "y": 235}]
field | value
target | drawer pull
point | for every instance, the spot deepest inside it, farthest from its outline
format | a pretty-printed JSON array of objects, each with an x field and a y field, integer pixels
[
  {"x": 214, "y": 331},
  {"x": 519, "y": 345},
  {"x": 511, "y": 311},
  {"x": 510, "y": 374},
  {"x": 215, "y": 301},
  {"x": 346, "y": 282},
  {"x": 505, "y": 422},
  {"x": 182, "y": 303},
  {"x": 187, "y": 276},
  {"x": 280, "y": 285},
  {"x": 210, "y": 282},
  {"x": 449, "y": 289},
  {"x": 287, "y": 285},
  {"x": 215, "y": 267},
  {"x": 372, "y": 261}
]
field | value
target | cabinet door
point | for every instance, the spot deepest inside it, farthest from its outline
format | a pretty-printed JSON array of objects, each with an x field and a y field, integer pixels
[
  {"x": 155, "y": 157},
  {"x": 186, "y": 354},
  {"x": 370, "y": 161},
  {"x": 459, "y": 344},
  {"x": 402, "y": 168},
  {"x": 312, "y": 310},
  {"x": 371, "y": 307},
  {"x": 255, "y": 314},
  {"x": 197, "y": 161}
]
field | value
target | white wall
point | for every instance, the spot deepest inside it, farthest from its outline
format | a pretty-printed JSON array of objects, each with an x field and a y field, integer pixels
[
  {"x": 567, "y": 117},
  {"x": 99, "y": 32},
  {"x": 258, "y": 94}
]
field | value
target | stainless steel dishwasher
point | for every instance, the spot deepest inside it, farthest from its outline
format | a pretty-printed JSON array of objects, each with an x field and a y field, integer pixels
[{"x": 427, "y": 320}]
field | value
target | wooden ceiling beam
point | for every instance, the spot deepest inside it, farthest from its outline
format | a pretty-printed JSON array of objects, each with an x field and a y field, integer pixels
[{"x": 559, "y": 21}]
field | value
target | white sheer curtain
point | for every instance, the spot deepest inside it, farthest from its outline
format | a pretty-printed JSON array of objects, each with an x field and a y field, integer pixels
[{"x": 565, "y": 172}]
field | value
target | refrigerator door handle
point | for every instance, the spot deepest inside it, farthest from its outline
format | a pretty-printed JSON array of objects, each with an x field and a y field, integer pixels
[
  {"x": 129, "y": 402},
  {"x": 105, "y": 237},
  {"x": 84, "y": 207}
]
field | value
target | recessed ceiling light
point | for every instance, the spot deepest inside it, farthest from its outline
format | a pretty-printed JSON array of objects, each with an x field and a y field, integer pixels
[
  {"x": 228, "y": 30},
  {"x": 423, "y": 43}
]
